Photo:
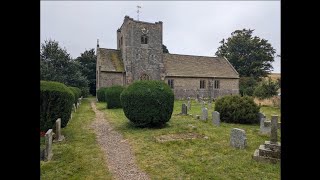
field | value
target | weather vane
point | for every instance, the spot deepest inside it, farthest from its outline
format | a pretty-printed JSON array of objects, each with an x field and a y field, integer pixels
[{"x": 138, "y": 11}]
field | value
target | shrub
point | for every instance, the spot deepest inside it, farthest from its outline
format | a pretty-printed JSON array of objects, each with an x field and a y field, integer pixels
[
  {"x": 76, "y": 92},
  {"x": 148, "y": 103},
  {"x": 112, "y": 96},
  {"x": 101, "y": 94},
  {"x": 56, "y": 101},
  {"x": 266, "y": 89},
  {"x": 84, "y": 92},
  {"x": 247, "y": 85},
  {"x": 237, "y": 109}
]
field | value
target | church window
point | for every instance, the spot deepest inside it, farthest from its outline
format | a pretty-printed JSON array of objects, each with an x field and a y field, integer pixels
[
  {"x": 170, "y": 83},
  {"x": 144, "y": 39},
  {"x": 144, "y": 77},
  {"x": 202, "y": 84},
  {"x": 217, "y": 84}
]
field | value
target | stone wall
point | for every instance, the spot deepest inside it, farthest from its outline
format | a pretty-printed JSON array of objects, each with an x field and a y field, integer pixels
[
  {"x": 108, "y": 79},
  {"x": 190, "y": 87}
]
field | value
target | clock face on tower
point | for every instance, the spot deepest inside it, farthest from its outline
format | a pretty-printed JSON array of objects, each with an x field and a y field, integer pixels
[{"x": 144, "y": 31}]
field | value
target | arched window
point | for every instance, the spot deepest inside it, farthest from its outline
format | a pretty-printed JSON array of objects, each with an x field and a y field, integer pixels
[
  {"x": 144, "y": 39},
  {"x": 144, "y": 77}
]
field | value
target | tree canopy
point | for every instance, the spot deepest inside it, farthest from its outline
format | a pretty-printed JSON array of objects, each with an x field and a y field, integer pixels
[
  {"x": 164, "y": 48},
  {"x": 250, "y": 56}
]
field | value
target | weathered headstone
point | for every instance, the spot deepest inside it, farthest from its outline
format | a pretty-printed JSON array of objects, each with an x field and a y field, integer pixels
[
  {"x": 274, "y": 128},
  {"x": 216, "y": 118},
  {"x": 189, "y": 104},
  {"x": 48, "y": 141},
  {"x": 77, "y": 105},
  {"x": 58, "y": 135},
  {"x": 74, "y": 107},
  {"x": 204, "y": 115},
  {"x": 184, "y": 109},
  {"x": 264, "y": 124},
  {"x": 202, "y": 103},
  {"x": 238, "y": 138},
  {"x": 210, "y": 105}
]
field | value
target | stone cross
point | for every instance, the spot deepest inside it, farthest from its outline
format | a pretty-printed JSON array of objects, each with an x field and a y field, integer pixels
[
  {"x": 58, "y": 137},
  {"x": 274, "y": 128},
  {"x": 204, "y": 114},
  {"x": 216, "y": 118},
  {"x": 184, "y": 109},
  {"x": 238, "y": 138},
  {"x": 48, "y": 141}
]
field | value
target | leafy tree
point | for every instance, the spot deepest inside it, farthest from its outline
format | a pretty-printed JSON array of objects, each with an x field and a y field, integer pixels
[
  {"x": 57, "y": 65},
  {"x": 247, "y": 85},
  {"x": 164, "y": 48},
  {"x": 87, "y": 60},
  {"x": 266, "y": 89},
  {"x": 250, "y": 56}
]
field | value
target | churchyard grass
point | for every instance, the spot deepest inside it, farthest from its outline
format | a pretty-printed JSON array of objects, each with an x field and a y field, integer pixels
[
  {"x": 269, "y": 110},
  {"x": 203, "y": 158},
  {"x": 79, "y": 155}
]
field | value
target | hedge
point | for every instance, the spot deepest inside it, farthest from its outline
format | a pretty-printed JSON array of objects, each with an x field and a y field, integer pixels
[
  {"x": 76, "y": 92},
  {"x": 101, "y": 94},
  {"x": 112, "y": 96}
]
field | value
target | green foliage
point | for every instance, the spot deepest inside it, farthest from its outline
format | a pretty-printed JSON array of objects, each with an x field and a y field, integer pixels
[
  {"x": 250, "y": 56},
  {"x": 57, "y": 65},
  {"x": 164, "y": 49},
  {"x": 112, "y": 96},
  {"x": 84, "y": 91},
  {"x": 148, "y": 103},
  {"x": 247, "y": 85},
  {"x": 101, "y": 94},
  {"x": 87, "y": 60},
  {"x": 76, "y": 92},
  {"x": 267, "y": 89},
  {"x": 56, "y": 101},
  {"x": 237, "y": 109}
]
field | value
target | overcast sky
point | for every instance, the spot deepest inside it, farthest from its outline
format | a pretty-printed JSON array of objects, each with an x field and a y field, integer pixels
[{"x": 189, "y": 27}]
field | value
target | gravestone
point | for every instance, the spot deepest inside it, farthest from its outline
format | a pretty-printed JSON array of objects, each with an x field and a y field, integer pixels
[
  {"x": 238, "y": 138},
  {"x": 210, "y": 105},
  {"x": 74, "y": 107},
  {"x": 58, "y": 135},
  {"x": 270, "y": 151},
  {"x": 189, "y": 104},
  {"x": 204, "y": 115},
  {"x": 184, "y": 110},
  {"x": 48, "y": 141},
  {"x": 264, "y": 124},
  {"x": 202, "y": 103},
  {"x": 216, "y": 118},
  {"x": 77, "y": 105}
]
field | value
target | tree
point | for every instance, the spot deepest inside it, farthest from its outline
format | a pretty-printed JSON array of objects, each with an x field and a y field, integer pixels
[
  {"x": 164, "y": 48},
  {"x": 57, "y": 65},
  {"x": 247, "y": 85},
  {"x": 266, "y": 89},
  {"x": 87, "y": 61},
  {"x": 250, "y": 56}
]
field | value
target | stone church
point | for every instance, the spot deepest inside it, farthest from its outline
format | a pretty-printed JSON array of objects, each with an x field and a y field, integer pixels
[{"x": 139, "y": 56}]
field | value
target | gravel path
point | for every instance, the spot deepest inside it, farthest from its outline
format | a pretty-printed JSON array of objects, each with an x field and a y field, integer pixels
[{"x": 120, "y": 159}]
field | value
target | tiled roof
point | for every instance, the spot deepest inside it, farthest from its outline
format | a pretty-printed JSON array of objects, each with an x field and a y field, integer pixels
[
  {"x": 111, "y": 60},
  {"x": 198, "y": 66}
]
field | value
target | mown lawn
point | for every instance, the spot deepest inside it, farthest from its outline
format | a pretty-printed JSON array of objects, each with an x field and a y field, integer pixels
[
  {"x": 78, "y": 156},
  {"x": 211, "y": 158}
]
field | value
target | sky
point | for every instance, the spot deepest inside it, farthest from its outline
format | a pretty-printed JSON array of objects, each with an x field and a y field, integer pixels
[{"x": 189, "y": 27}]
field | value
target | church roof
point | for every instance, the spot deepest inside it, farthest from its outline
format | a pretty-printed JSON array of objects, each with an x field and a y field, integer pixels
[
  {"x": 198, "y": 66},
  {"x": 111, "y": 60}
]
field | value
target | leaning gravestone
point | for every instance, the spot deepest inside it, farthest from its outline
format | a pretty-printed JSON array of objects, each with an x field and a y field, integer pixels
[
  {"x": 216, "y": 118},
  {"x": 58, "y": 137},
  {"x": 238, "y": 138},
  {"x": 204, "y": 115},
  {"x": 184, "y": 110},
  {"x": 48, "y": 141}
]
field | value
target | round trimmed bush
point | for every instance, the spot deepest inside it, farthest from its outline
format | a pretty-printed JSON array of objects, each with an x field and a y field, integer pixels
[
  {"x": 237, "y": 109},
  {"x": 148, "y": 103},
  {"x": 76, "y": 92},
  {"x": 56, "y": 101},
  {"x": 101, "y": 94},
  {"x": 112, "y": 96}
]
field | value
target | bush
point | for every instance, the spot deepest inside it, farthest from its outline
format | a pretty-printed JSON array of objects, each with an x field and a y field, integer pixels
[
  {"x": 76, "y": 92},
  {"x": 101, "y": 94},
  {"x": 247, "y": 85},
  {"x": 267, "y": 89},
  {"x": 237, "y": 109},
  {"x": 84, "y": 92},
  {"x": 112, "y": 96},
  {"x": 56, "y": 101},
  {"x": 148, "y": 103}
]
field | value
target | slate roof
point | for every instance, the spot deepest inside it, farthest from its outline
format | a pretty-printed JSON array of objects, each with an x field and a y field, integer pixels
[
  {"x": 111, "y": 60},
  {"x": 198, "y": 66}
]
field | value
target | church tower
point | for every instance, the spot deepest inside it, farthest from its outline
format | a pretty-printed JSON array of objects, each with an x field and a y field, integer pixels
[{"x": 140, "y": 44}]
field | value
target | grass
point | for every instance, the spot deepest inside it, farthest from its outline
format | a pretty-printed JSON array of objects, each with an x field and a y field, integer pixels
[
  {"x": 211, "y": 158},
  {"x": 268, "y": 111},
  {"x": 78, "y": 156}
]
